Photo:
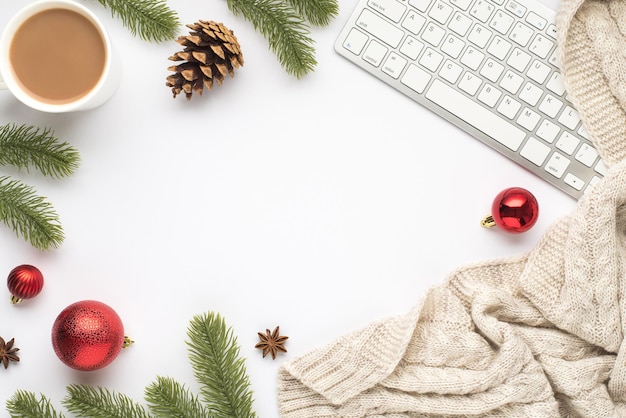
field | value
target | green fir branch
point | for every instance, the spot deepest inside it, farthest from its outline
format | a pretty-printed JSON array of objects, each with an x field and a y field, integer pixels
[
  {"x": 24, "y": 404},
  {"x": 97, "y": 402},
  {"x": 214, "y": 355},
  {"x": 151, "y": 20},
  {"x": 285, "y": 30},
  {"x": 168, "y": 398},
  {"x": 318, "y": 12},
  {"x": 26, "y": 146},
  {"x": 29, "y": 215}
]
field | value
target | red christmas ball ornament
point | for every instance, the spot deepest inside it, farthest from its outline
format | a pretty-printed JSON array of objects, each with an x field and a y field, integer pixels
[
  {"x": 88, "y": 335},
  {"x": 24, "y": 282},
  {"x": 514, "y": 210}
]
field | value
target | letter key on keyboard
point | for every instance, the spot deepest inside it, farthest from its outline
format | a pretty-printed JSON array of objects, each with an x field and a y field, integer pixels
[{"x": 487, "y": 66}]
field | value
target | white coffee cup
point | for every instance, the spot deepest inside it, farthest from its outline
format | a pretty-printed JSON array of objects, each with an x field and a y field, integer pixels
[{"x": 92, "y": 97}]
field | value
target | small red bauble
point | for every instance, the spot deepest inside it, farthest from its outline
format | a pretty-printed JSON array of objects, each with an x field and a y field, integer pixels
[
  {"x": 88, "y": 335},
  {"x": 514, "y": 210},
  {"x": 24, "y": 282}
]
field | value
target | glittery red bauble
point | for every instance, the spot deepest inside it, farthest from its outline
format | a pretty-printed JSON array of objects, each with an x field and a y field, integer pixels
[
  {"x": 515, "y": 210},
  {"x": 87, "y": 335},
  {"x": 24, "y": 282}
]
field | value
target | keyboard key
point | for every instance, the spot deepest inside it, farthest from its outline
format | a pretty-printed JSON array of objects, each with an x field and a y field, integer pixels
[
  {"x": 592, "y": 182},
  {"x": 452, "y": 46},
  {"x": 574, "y": 181},
  {"x": 528, "y": 119},
  {"x": 587, "y": 155},
  {"x": 394, "y": 65},
  {"x": 433, "y": 34},
  {"x": 521, "y": 34},
  {"x": 499, "y": 48},
  {"x": 550, "y": 105},
  {"x": 470, "y": 83},
  {"x": 431, "y": 59},
  {"x": 416, "y": 78},
  {"x": 557, "y": 164},
  {"x": 511, "y": 82},
  {"x": 482, "y": 119},
  {"x": 567, "y": 143},
  {"x": 538, "y": 72},
  {"x": 530, "y": 94},
  {"x": 380, "y": 28},
  {"x": 479, "y": 36},
  {"x": 516, "y": 8},
  {"x": 451, "y": 71},
  {"x": 390, "y": 8},
  {"x": 492, "y": 70},
  {"x": 519, "y": 60},
  {"x": 440, "y": 12},
  {"x": 375, "y": 53},
  {"x": 536, "y": 20},
  {"x": 555, "y": 84},
  {"x": 461, "y": 4},
  {"x": 554, "y": 57},
  {"x": 509, "y": 107},
  {"x": 482, "y": 10},
  {"x": 541, "y": 46},
  {"x": 569, "y": 117},
  {"x": 421, "y": 5},
  {"x": 472, "y": 58},
  {"x": 535, "y": 151},
  {"x": 460, "y": 24},
  {"x": 489, "y": 95},
  {"x": 411, "y": 47},
  {"x": 548, "y": 131},
  {"x": 355, "y": 41},
  {"x": 601, "y": 168},
  {"x": 413, "y": 22},
  {"x": 501, "y": 22}
]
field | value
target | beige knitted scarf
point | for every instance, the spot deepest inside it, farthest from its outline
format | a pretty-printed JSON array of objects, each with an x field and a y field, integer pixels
[{"x": 537, "y": 336}]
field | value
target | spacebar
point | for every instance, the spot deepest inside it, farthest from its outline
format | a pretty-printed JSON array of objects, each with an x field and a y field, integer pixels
[{"x": 476, "y": 115}]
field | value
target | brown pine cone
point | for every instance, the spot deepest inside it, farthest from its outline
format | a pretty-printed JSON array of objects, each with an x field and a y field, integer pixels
[{"x": 211, "y": 51}]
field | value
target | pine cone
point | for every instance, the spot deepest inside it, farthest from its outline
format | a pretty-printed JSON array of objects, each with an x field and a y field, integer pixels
[{"x": 211, "y": 51}]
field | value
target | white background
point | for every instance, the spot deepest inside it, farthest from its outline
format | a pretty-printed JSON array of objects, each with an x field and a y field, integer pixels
[{"x": 319, "y": 205}]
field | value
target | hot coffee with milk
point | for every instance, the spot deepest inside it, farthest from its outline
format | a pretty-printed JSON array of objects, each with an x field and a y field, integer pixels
[{"x": 58, "y": 55}]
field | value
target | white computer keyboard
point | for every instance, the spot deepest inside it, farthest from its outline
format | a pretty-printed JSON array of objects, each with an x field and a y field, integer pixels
[{"x": 488, "y": 66}]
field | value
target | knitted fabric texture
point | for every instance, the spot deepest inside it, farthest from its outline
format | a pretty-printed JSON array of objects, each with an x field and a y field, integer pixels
[{"x": 541, "y": 335}]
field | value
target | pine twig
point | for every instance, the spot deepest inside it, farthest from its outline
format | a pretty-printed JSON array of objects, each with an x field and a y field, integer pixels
[
  {"x": 151, "y": 20},
  {"x": 96, "y": 402},
  {"x": 168, "y": 398},
  {"x": 24, "y": 404},
  {"x": 214, "y": 355},
  {"x": 285, "y": 30},
  {"x": 318, "y": 12},
  {"x": 29, "y": 215},
  {"x": 28, "y": 146}
]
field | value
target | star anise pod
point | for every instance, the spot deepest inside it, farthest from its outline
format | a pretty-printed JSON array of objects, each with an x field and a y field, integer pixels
[
  {"x": 271, "y": 342},
  {"x": 7, "y": 352}
]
